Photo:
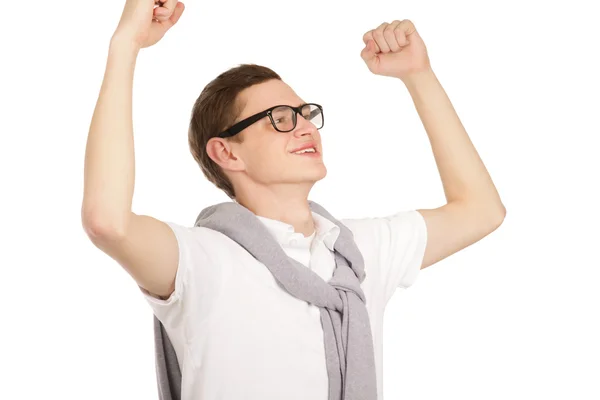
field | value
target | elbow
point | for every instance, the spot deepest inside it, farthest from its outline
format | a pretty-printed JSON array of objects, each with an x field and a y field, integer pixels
[
  {"x": 98, "y": 228},
  {"x": 497, "y": 215},
  {"x": 487, "y": 215}
]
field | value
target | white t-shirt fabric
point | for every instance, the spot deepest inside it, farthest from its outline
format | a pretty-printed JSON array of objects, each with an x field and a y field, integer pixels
[{"x": 238, "y": 335}]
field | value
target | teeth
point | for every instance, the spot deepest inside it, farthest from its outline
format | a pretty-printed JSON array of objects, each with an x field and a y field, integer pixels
[{"x": 311, "y": 150}]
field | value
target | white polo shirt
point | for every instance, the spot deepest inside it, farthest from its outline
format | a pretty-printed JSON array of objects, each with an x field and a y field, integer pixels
[{"x": 238, "y": 335}]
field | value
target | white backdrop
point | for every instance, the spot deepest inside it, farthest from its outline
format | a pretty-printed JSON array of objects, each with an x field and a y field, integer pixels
[{"x": 515, "y": 316}]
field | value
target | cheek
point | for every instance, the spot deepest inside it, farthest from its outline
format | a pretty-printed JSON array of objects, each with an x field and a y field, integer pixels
[
  {"x": 274, "y": 154},
  {"x": 266, "y": 158}
]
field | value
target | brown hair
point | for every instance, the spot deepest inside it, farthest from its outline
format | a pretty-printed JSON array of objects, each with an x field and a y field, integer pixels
[{"x": 215, "y": 110}]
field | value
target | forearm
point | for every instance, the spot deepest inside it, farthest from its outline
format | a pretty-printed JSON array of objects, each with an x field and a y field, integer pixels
[
  {"x": 109, "y": 170},
  {"x": 463, "y": 174}
]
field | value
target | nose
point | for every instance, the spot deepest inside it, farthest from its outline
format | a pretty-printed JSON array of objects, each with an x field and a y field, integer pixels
[{"x": 304, "y": 127}]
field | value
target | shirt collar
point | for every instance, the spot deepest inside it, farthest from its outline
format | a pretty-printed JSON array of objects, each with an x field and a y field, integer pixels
[
  {"x": 328, "y": 232},
  {"x": 325, "y": 230}
]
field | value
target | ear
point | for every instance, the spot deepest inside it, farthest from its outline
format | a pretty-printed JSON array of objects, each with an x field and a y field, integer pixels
[{"x": 222, "y": 153}]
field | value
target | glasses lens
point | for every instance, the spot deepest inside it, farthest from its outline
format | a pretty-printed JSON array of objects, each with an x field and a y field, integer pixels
[
  {"x": 313, "y": 114},
  {"x": 283, "y": 118}
]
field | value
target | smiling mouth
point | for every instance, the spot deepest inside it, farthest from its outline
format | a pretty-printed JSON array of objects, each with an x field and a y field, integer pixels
[
  {"x": 310, "y": 152},
  {"x": 306, "y": 151}
]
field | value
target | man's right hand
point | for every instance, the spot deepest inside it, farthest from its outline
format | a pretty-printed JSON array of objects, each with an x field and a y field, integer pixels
[{"x": 143, "y": 24}]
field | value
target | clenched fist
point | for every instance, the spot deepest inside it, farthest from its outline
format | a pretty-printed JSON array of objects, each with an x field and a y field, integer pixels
[
  {"x": 395, "y": 50},
  {"x": 145, "y": 22}
]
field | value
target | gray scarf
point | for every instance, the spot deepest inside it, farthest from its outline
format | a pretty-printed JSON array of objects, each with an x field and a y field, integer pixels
[{"x": 346, "y": 326}]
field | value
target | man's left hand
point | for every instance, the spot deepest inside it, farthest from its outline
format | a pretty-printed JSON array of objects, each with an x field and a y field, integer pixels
[{"x": 395, "y": 50}]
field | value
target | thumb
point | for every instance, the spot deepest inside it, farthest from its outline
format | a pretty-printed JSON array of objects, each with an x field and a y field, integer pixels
[
  {"x": 167, "y": 22},
  {"x": 179, "y": 7},
  {"x": 368, "y": 53}
]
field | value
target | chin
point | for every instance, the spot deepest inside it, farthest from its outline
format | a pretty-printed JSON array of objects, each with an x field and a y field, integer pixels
[
  {"x": 307, "y": 177},
  {"x": 303, "y": 174},
  {"x": 323, "y": 173},
  {"x": 318, "y": 174}
]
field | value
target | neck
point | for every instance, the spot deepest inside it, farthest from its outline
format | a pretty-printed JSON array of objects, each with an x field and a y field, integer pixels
[{"x": 291, "y": 208}]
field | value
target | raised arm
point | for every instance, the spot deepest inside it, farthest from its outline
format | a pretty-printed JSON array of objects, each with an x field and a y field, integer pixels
[
  {"x": 473, "y": 209},
  {"x": 144, "y": 246}
]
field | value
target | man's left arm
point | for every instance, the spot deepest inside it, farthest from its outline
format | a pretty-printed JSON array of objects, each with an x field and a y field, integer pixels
[{"x": 473, "y": 208}]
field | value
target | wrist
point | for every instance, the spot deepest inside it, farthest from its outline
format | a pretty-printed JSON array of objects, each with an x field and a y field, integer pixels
[
  {"x": 124, "y": 44},
  {"x": 417, "y": 79}
]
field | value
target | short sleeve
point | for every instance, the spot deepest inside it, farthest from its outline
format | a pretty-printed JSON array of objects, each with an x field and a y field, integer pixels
[
  {"x": 195, "y": 280},
  {"x": 393, "y": 248},
  {"x": 407, "y": 242},
  {"x": 183, "y": 243}
]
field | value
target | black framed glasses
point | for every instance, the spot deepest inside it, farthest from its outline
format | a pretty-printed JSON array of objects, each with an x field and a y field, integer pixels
[{"x": 283, "y": 118}]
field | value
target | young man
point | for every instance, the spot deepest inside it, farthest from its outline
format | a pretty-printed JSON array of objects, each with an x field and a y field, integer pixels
[{"x": 241, "y": 325}]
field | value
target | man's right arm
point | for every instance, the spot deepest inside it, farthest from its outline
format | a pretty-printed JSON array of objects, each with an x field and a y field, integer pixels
[{"x": 146, "y": 247}]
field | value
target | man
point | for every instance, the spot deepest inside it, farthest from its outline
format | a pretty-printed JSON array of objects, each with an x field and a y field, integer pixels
[{"x": 236, "y": 331}]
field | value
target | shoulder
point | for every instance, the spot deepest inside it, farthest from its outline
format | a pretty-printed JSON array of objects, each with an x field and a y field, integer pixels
[
  {"x": 403, "y": 225},
  {"x": 393, "y": 246},
  {"x": 199, "y": 239}
]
